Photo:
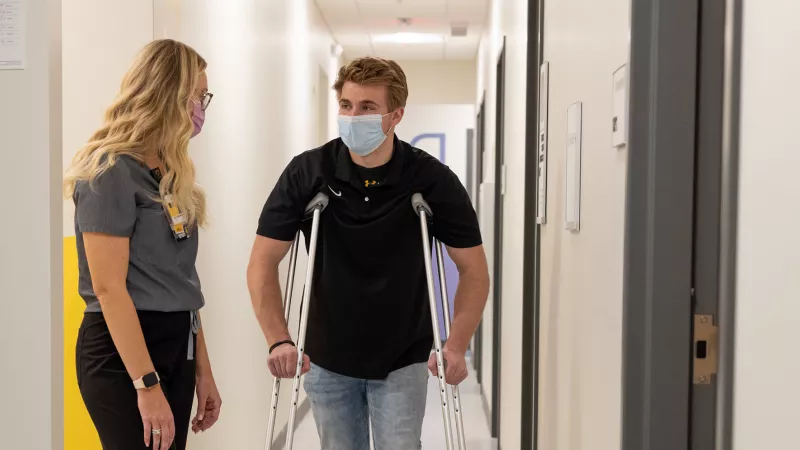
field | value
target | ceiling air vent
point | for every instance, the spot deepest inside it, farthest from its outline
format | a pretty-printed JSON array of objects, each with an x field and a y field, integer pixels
[{"x": 458, "y": 29}]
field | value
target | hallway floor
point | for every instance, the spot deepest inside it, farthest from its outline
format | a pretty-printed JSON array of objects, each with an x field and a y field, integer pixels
[{"x": 475, "y": 423}]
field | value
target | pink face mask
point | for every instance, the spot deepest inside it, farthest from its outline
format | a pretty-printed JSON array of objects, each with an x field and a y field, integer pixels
[{"x": 198, "y": 118}]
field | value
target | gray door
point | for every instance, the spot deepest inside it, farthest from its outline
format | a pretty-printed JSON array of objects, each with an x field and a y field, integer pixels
[{"x": 677, "y": 315}]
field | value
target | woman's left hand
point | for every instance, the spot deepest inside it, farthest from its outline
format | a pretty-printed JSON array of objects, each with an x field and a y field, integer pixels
[{"x": 208, "y": 404}]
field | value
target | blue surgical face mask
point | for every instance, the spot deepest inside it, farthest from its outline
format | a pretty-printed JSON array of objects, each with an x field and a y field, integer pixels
[{"x": 362, "y": 134}]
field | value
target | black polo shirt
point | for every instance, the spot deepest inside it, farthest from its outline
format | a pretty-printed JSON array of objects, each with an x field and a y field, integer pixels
[{"x": 369, "y": 312}]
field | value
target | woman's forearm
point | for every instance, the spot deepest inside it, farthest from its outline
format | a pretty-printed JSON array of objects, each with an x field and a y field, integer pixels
[
  {"x": 203, "y": 362},
  {"x": 126, "y": 332}
]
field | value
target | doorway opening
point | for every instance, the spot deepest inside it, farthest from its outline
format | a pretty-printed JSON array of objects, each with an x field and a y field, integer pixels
[
  {"x": 499, "y": 180},
  {"x": 480, "y": 148}
]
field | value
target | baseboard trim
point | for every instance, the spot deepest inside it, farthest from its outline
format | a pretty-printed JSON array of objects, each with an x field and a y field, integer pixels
[
  {"x": 302, "y": 410},
  {"x": 487, "y": 410}
]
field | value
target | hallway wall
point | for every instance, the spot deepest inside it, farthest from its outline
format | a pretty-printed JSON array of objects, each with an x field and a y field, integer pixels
[
  {"x": 264, "y": 64},
  {"x": 581, "y": 273},
  {"x": 264, "y": 69},
  {"x": 766, "y": 392},
  {"x": 508, "y": 18},
  {"x": 440, "y": 82},
  {"x": 30, "y": 247}
]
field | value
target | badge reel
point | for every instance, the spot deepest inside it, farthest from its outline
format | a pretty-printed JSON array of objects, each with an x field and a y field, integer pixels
[{"x": 176, "y": 220}]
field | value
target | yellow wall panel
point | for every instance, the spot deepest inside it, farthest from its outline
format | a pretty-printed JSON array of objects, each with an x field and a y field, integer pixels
[{"x": 79, "y": 432}]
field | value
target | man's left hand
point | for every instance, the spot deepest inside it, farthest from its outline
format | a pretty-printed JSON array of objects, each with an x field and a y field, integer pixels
[{"x": 455, "y": 365}]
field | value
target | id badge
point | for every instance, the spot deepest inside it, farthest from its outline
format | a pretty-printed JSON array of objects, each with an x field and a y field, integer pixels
[{"x": 177, "y": 221}]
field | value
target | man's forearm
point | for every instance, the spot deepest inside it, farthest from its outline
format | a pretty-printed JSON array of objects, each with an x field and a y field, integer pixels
[
  {"x": 265, "y": 294},
  {"x": 470, "y": 299}
]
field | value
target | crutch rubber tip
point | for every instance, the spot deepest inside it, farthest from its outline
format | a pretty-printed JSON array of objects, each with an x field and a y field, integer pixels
[{"x": 419, "y": 203}]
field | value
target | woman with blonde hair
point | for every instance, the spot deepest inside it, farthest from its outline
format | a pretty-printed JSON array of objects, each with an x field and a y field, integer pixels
[{"x": 141, "y": 353}]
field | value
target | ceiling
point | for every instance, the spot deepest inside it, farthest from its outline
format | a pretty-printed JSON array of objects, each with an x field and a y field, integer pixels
[{"x": 363, "y": 27}]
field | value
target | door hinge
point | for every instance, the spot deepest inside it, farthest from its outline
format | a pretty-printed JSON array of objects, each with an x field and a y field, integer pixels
[{"x": 706, "y": 348}]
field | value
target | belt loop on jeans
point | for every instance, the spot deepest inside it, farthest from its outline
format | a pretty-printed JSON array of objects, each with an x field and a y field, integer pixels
[{"x": 194, "y": 319}]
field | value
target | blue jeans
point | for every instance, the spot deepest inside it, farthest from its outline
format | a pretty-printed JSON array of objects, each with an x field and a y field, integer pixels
[{"x": 343, "y": 408}]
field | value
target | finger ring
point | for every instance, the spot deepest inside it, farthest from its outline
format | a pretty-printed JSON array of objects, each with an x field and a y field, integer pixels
[{"x": 156, "y": 431}]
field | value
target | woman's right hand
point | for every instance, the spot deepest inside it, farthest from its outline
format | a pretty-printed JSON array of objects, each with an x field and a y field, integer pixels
[{"x": 156, "y": 415}]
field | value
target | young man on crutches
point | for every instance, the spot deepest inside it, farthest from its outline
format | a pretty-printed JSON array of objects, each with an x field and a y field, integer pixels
[{"x": 368, "y": 333}]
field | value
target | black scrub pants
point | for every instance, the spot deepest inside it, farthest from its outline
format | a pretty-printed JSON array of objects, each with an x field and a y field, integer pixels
[{"x": 107, "y": 389}]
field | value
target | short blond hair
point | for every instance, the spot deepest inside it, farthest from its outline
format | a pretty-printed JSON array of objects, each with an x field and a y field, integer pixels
[{"x": 372, "y": 70}]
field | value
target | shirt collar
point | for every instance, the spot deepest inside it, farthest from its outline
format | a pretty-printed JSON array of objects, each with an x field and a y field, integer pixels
[{"x": 346, "y": 172}]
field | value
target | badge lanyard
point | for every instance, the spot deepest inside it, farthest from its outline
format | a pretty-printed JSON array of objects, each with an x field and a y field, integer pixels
[{"x": 176, "y": 220}]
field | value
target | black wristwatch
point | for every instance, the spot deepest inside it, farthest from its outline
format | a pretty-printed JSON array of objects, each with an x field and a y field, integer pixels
[{"x": 147, "y": 381}]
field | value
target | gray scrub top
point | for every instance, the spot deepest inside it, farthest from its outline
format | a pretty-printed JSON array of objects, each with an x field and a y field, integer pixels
[{"x": 161, "y": 271}]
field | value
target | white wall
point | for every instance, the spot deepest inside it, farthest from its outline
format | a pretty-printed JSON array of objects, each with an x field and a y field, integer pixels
[
  {"x": 30, "y": 250},
  {"x": 450, "y": 120},
  {"x": 486, "y": 210},
  {"x": 100, "y": 41},
  {"x": 581, "y": 274},
  {"x": 766, "y": 392},
  {"x": 90, "y": 87},
  {"x": 440, "y": 82},
  {"x": 508, "y": 18},
  {"x": 264, "y": 60}
]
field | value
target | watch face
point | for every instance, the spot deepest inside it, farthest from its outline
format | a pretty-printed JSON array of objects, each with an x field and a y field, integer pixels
[{"x": 150, "y": 380}]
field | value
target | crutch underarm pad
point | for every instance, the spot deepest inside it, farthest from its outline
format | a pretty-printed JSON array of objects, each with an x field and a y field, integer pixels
[
  {"x": 320, "y": 200},
  {"x": 419, "y": 203}
]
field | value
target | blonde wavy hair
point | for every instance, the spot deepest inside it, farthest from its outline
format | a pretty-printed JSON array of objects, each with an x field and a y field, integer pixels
[{"x": 151, "y": 111}]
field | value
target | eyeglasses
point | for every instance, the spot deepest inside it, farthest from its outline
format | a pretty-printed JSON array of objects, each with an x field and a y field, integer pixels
[{"x": 205, "y": 100}]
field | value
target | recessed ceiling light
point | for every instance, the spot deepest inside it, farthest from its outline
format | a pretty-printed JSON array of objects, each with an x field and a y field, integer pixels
[{"x": 409, "y": 38}]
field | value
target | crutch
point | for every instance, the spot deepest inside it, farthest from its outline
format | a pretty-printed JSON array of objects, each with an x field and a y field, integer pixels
[
  {"x": 462, "y": 443},
  {"x": 287, "y": 306},
  {"x": 314, "y": 208},
  {"x": 423, "y": 210}
]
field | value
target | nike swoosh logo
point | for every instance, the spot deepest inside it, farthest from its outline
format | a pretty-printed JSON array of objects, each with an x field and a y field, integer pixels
[{"x": 338, "y": 194}]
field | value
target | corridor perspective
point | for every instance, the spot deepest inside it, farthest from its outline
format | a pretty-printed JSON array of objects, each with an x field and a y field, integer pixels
[{"x": 614, "y": 179}]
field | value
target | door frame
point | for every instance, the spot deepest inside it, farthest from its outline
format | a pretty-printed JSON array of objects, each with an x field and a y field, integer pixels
[
  {"x": 470, "y": 164},
  {"x": 707, "y": 199},
  {"x": 671, "y": 104},
  {"x": 480, "y": 132},
  {"x": 728, "y": 222},
  {"x": 499, "y": 158},
  {"x": 531, "y": 249}
]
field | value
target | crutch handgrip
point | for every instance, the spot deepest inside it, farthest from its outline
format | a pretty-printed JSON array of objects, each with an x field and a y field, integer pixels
[
  {"x": 419, "y": 204},
  {"x": 319, "y": 200}
]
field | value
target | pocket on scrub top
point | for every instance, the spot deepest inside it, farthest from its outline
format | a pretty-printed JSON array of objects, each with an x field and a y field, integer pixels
[{"x": 152, "y": 240}]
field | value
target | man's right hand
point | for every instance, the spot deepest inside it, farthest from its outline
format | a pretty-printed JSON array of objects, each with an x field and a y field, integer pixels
[{"x": 282, "y": 362}]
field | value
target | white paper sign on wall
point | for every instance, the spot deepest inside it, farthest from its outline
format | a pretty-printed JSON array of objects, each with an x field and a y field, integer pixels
[
  {"x": 619, "y": 122},
  {"x": 572, "y": 208},
  {"x": 12, "y": 35}
]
